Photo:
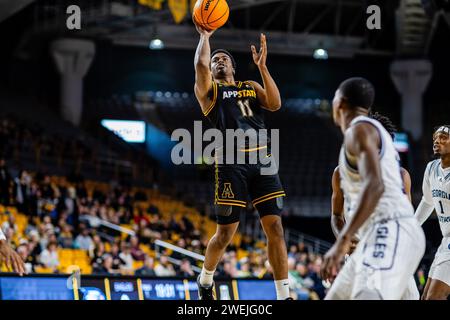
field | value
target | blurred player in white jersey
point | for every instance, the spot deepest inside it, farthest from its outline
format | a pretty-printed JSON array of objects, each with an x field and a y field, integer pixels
[
  {"x": 341, "y": 211},
  {"x": 392, "y": 242},
  {"x": 436, "y": 195}
]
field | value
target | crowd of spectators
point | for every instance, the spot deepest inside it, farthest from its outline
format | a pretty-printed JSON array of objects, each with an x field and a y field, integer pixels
[{"x": 56, "y": 213}]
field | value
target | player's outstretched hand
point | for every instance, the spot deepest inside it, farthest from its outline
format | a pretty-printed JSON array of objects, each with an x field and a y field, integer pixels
[
  {"x": 202, "y": 31},
  {"x": 259, "y": 58},
  {"x": 12, "y": 259},
  {"x": 332, "y": 259}
]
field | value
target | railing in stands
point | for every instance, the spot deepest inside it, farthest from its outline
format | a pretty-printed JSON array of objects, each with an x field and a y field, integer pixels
[
  {"x": 96, "y": 222},
  {"x": 251, "y": 226},
  {"x": 166, "y": 245},
  {"x": 317, "y": 245}
]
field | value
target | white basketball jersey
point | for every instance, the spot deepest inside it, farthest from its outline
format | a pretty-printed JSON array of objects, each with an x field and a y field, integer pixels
[
  {"x": 436, "y": 192},
  {"x": 394, "y": 203}
]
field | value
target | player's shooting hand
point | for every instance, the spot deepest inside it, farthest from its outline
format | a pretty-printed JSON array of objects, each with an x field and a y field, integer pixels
[
  {"x": 202, "y": 31},
  {"x": 332, "y": 259},
  {"x": 259, "y": 58},
  {"x": 12, "y": 259}
]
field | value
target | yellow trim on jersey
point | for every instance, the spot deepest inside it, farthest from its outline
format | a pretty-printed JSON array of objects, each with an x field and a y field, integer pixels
[
  {"x": 270, "y": 195},
  {"x": 213, "y": 103},
  {"x": 270, "y": 198},
  {"x": 228, "y": 203},
  {"x": 250, "y": 84},
  {"x": 231, "y": 200}
]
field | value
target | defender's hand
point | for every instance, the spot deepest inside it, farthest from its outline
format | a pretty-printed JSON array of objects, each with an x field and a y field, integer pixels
[
  {"x": 332, "y": 259},
  {"x": 12, "y": 259},
  {"x": 259, "y": 58}
]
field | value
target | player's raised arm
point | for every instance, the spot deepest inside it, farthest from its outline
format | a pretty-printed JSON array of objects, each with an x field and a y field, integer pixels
[
  {"x": 268, "y": 94},
  {"x": 426, "y": 207},
  {"x": 203, "y": 76},
  {"x": 337, "y": 204}
]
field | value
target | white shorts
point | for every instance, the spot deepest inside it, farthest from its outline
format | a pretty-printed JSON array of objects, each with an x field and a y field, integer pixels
[
  {"x": 383, "y": 264},
  {"x": 440, "y": 268}
]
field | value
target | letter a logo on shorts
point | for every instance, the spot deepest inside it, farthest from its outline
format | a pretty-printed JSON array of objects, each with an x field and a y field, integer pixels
[{"x": 227, "y": 192}]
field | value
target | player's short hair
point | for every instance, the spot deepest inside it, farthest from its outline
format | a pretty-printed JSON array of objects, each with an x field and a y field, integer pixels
[
  {"x": 358, "y": 92},
  {"x": 385, "y": 121},
  {"x": 444, "y": 128},
  {"x": 233, "y": 62}
]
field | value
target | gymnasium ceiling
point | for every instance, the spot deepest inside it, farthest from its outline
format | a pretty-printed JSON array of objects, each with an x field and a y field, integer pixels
[{"x": 293, "y": 27}]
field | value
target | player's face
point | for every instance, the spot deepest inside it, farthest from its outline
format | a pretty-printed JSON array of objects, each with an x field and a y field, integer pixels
[
  {"x": 441, "y": 144},
  {"x": 337, "y": 103},
  {"x": 221, "y": 66}
]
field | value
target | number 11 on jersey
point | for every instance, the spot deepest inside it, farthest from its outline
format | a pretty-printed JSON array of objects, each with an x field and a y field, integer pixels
[{"x": 245, "y": 108}]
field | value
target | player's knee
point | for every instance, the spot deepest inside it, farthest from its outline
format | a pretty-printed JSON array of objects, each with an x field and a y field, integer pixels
[
  {"x": 274, "y": 230},
  {"x": 223, "y": 237}
]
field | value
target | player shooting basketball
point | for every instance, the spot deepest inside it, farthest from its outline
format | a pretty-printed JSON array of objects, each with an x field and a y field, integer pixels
[{"x": 231, "y": 104}]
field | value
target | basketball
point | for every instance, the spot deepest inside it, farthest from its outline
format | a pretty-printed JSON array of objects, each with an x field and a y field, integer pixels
[{"x": 211, "y": 14}]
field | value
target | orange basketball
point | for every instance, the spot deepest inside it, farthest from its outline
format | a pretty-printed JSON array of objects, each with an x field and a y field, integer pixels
[{"x": 211, "y": 14}]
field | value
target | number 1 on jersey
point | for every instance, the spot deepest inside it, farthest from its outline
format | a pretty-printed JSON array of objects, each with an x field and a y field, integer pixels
[
  {"x": 442, "y": 207},
  {"x": 245, "y": 108}
]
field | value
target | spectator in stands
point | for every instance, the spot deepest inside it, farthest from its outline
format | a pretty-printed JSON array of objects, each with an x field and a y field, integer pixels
[
  {"x": 148, "y": 269},
  {"x": 293, "y": 250},
  {"x": 297, "y": 280},
  {"x": 10, "y": 223},
  {"x": 65, "y": 238},
  {"x": 22, "y": 250},
  {"x": 107, "y": 266},
  {"x": 48, "y": 189},
  {"x": 34, "y": 248},
  {"x": 229, "y": 270},
  {"x": 136, "y": 251},
  {"x": 268, "y": 274},
  {"x": 5, "y": 183},
  {"x": 98, "y": 257},
  {"x": 23, "y": 191},
  {"x": 126, "y": 256},
  {"x": 48, "y": 226},
  {"x": 83, "y": 240},
  {"x": 139, "y": 217},
  {"x": 49, "y": 257},
  {"x": 118, "y": 263},
  {"x": 186, "y": 269},
  {"x": 47, "y": 238},
  {"x": 164, "y": 268},
  {"x": 302, "y": 248},
  {"x": 244, "y": 270},
  {"x": 314, "y": 274}
]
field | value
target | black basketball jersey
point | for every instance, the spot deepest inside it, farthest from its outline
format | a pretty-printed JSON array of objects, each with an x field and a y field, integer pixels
[{"x": 236, "y": 106}]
